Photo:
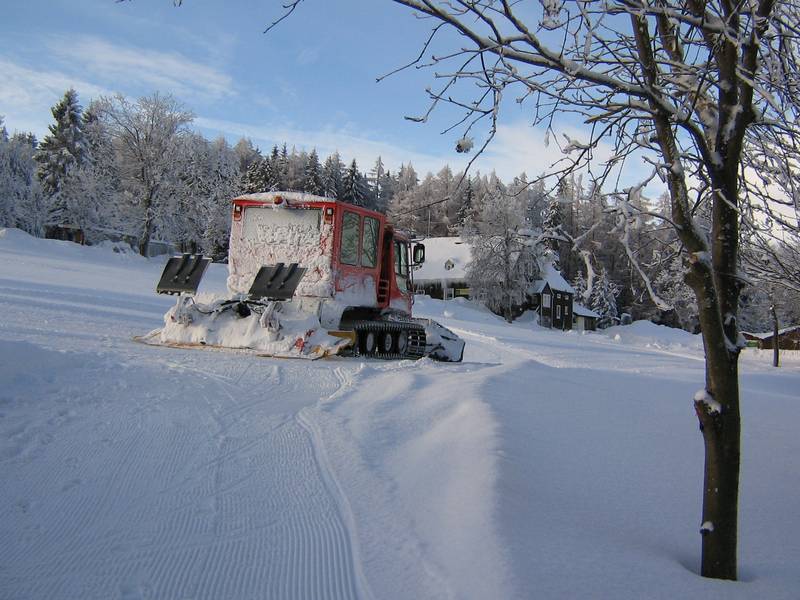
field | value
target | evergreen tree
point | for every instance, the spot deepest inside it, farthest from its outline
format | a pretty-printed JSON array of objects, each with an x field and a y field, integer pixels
[
  {"x": 312, "y": 178},
  {"x": 377, "y": 180},
  {"x": 250, "y": 181},
  {"x": 579, "y": 285},
  {"x": 62, "y": 150},
  {"x": 604, "y": 300},
  {"x": 355, "y": 189},
  {"x": 281, "y": 168},
  {"x": 332, "y": 177},
  {"x": 465, "y": 208},
  {"x": 90, "y": 192},
  {"x": 22, "y": 203}
]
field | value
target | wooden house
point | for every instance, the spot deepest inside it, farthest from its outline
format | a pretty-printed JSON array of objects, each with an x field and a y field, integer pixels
[
  {"x": 788, "y": 338},
  {"x": 552, "y": 297}
]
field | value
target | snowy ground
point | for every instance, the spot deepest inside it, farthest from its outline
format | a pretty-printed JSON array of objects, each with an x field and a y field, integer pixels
[{"x": 546, "y": 465}]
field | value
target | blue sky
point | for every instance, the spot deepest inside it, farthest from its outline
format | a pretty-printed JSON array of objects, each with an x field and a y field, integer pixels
[{"x": 310, "y": 82}]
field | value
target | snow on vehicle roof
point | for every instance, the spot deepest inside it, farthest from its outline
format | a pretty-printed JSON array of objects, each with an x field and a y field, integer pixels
[
  {"x": 446, "y": 258},
  {"x": 294, "y": 196}
]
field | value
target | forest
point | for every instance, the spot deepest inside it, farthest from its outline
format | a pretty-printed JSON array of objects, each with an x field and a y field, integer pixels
[{"x": 136, "y": 171}]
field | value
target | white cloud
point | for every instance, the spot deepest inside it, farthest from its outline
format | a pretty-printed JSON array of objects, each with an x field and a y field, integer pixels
[
  {"x": 122, "y": 67},
  {"x": 26, "y": 95},
  {"x": 519, "y": 148},
  {"x": 327, "y": 141}
]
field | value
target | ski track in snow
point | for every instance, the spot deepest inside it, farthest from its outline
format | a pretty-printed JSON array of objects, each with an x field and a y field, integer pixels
[
  {"x": 152, "y": 473},
  {"x": 178, "y": 475},
  {"x": 230, "y": 512}
]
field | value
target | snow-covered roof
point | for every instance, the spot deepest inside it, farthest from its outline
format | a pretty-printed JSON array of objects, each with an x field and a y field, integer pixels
[
  {"x": 582, "y": 311},
  {"x": 551, "y": 275},
  {"x": 768, "y": 334},
  {"x": 445, "y": 259}
]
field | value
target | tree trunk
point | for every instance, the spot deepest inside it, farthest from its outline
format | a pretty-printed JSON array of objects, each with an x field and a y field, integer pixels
[
  {"x": 147, "y": 229},
  {"x": 720, "y": 423},
  {"x": 776, "y": 353},
  {"x": 721, "y": 435}
]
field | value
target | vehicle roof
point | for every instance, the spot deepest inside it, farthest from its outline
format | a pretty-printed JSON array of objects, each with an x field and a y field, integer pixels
[{"x": 304, "y": 198}]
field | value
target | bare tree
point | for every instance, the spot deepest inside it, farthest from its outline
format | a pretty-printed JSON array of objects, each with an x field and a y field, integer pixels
[
  {"x": 688, "y": 86},
  {"x": 146, "y": 135}
]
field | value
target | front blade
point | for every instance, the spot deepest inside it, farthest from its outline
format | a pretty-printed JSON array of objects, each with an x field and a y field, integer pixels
[
  {"x": 182, "y": 274},
  {"x": 276, "y": 282}
]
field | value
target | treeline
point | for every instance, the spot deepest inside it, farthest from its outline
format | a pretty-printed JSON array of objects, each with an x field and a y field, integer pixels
[{"x": 135, "y": 170}]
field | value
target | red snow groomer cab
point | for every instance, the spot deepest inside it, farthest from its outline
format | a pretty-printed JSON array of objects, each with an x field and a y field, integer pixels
[{"x": 307, "y": 277}]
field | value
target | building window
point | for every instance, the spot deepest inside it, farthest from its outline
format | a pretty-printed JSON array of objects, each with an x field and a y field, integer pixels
[
  {"x": 558, "y": 311},
  {"x": 546, "y": 300}
]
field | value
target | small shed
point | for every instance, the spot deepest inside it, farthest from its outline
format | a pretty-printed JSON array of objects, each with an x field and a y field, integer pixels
[
  {"x": 443, "y": 275},
  {"x": 788, "y": 338},
  {"x": 584, "y": 319},
  {"x": 67, "y": 232},
  {"x": 552, "y": 297}
]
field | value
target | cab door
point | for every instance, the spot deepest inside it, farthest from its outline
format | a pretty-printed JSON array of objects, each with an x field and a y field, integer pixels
[
  {"x": 402, "y": 288},
  {"x": 357, "y": 257}
]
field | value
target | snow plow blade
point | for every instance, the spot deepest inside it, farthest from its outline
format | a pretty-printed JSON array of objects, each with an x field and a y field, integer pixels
[
  {"x": 182, "y": 274},
  {"x": 277, "y": 282}
]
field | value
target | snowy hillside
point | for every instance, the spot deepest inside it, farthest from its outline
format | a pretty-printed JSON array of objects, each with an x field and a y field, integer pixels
[{"x": 546, "y": 465}]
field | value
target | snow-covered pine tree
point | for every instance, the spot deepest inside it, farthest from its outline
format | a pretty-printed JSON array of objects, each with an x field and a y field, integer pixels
[
  {"x": 377, "y": 181},
  {"x": 670, "y": 285},
  {"x": 580, "y": 286},
  {"x": 62, "y": 150},
  {"x": 22, "y": 203},
  {"x": 281, "y": 168},
  {"x": 604, "y": 299},
  {"x": 467, "y": 199},
  {"x": 354, "y": 186},
  {"x": 388, "y": 187},
  {"x": 251, "y": 182},
  {"x": 332, "y": 177},
  {"x": 552, "y": 222},
  {"x": 312, "y": 179}
]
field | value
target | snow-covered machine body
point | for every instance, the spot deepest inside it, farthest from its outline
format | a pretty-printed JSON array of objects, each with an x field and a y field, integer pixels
[{"x": 307, "y": 277}]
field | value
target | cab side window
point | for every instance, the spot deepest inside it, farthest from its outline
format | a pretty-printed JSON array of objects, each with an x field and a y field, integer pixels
[
  {"x": 350, "y": 230},
  {"x": 369, "y": 243},
  {"x": 401, "y": 265}
]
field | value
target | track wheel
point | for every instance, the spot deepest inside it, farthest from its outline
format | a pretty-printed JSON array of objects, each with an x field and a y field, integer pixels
[
  {"x": 402, "y": 342},
  {"x": 387, "y": 342},
  {"x": 368, "y": 342}
]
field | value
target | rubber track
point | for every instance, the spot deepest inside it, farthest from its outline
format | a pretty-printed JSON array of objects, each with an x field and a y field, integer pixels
[{"x": 416, "y": 338}]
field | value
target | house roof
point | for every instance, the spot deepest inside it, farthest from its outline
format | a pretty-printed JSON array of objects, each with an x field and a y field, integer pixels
[
  {"x": 551, "y": 275},
  {"x": 768, "y": 334},
  {"x": 582, "y": 311},
  {"x": 441, "y": 253}
]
